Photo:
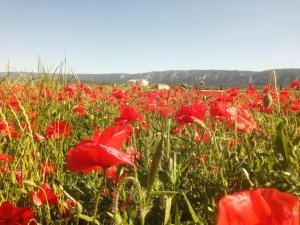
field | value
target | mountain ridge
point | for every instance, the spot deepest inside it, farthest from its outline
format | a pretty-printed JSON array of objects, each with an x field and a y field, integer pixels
[
  {"x": 226, "y": 78},
  {"x": 213, "y": 77}
]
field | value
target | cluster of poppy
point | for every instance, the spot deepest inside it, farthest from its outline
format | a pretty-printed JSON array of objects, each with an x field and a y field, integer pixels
[
  {"x": 220, "y": 104},
  {"x": 263, "y": 206},
  {"x": 14, "y": 215},
  {"x": 103, "y": 152}
]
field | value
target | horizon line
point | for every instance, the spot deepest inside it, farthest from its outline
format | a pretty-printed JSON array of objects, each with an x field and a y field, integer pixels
[{"x": 157, "y": 71}]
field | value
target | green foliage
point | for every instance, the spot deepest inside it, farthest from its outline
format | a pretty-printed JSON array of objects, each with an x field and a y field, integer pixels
[{"x": 177, "y": 181}]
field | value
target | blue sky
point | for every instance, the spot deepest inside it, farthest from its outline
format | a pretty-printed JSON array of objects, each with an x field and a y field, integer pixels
[{"x": 138, "y": 35}]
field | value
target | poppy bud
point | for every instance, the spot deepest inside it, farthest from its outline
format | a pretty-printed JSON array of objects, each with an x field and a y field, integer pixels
[
  {"x": 199, "y": 123},
  {"x": 268, "y": 100}
]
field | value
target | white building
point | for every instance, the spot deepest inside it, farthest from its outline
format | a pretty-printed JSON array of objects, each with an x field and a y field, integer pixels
[
  {"x": 163, "y": 87},
  {"x": 138, "y": 82}
]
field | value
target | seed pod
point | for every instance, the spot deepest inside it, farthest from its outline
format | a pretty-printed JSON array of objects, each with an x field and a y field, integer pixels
[
  {"x": 268, "y": 100},
  {"x": 199, "y": 123}
]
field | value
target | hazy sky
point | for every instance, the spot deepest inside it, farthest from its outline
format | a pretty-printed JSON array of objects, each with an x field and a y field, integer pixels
[{"x": 139, "y": 35}]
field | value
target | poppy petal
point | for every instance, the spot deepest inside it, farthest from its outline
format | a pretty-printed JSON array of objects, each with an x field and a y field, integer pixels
[
  {"x": 85, "y": 157},
  {"x": 259, "y": 207}
]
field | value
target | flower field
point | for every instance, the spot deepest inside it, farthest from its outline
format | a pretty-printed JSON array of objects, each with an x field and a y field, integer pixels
[{"x": 78, "y": 153}]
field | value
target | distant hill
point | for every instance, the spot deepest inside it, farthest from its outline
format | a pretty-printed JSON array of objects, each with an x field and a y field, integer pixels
[{"x": 223, "y": 78}]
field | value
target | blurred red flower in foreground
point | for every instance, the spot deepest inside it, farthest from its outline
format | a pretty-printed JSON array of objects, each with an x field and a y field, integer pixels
[
  {"x": 263, "y": 206},
  {"x": 45, "y": 195},
  {"x": 188, "y": 114},
  {"x": 58, "y": 129},
  {"x": 12, "y": 215},
  {"x": 104, "y": 150}
]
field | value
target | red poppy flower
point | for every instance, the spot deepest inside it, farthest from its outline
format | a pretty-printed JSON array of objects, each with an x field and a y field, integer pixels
[
  {"x": 114, "y": 136},
  {"x": 87, "y": 89},
  {"x": 295, "y": 105},
  {"x": 284, "y": 96},
  {"x": 218, "y": 110},
  {"x": 90, "y": 156},
  {"x": 14, "y": 103},
  {"x": 100, "y": 88},
  {"x": 70, "y": 90},
  {"x": 7, "y": 129},
  {"x": 79, "y": 109},
  {"x": 47, "y": 168},
  {"x": 58, "y": 129},
  {"x": 233, "y": 91},
  {"x": 188, "y": 114},
  {"x": 46, "y": 93},
  {"x": 241, "y": 119},
  {"x": 250, "y": 90},
  {"x": 26, "y": 126},
  {"x": 128, "y": 114},
  {"x": 202, "y": 158},
  {"x": 5, "y": 159},
  {"x": 205, "y": 137},
  {"x": 263, "y": 206},
  {"x": 45, "y": 195},
  {"x": 71, "y": 203},
  {"x": 233, "y": 142},
  {"x": 111, "y": 173},
  {"x": 19, "y": 177},
  {"x": 102, "y": 151},
  {"x": 268, "y": 89},
  {"x": 295, "y": 84},
  {"x": 166, "y": 111},
  {"x": 38, "y": 137},
  {"x": 118, "y": 93},
  {"x": 12, "y": 215},
  {"x": 134, "y": 153},
  {"x": 32, "y": 115}
]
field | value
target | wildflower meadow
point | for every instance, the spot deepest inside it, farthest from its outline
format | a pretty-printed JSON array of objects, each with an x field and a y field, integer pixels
[{"x": 86, "y": 153}]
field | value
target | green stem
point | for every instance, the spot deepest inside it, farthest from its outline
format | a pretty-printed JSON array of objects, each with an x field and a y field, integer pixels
[
  {"x": 97, "y": 202},
  {"x": 96, "y": 206}
]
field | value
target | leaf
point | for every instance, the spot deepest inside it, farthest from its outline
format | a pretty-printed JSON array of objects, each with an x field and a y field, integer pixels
[
  {"x": 192, "y": 212},
  {"x": 168, "y": 210},
  {"x": 162, "y": 193},
  {"x": 89, "y": 219},
  {"x": 154, "y": 166},
  {"x": 281, "y": 143},
  {"x": 247, "y": 176},
  {"x": 177, "y": 215}
]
